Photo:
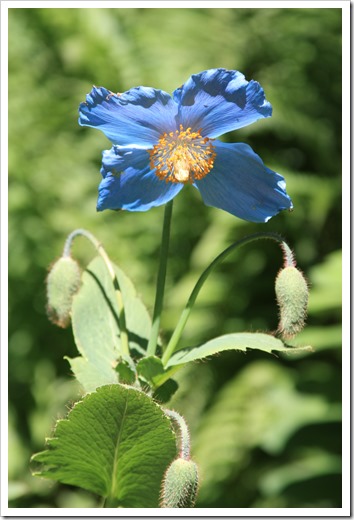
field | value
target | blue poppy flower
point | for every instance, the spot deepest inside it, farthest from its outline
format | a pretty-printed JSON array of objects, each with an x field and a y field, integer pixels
[{"x": 161, "y": 143}]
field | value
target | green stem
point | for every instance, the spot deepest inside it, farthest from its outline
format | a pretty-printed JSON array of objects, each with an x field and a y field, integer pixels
[
  {"x": 101, "y": 251},
  {"x": 187, "y": 310},
  {"x": 185, "y": 441},
  {"x": 161, "y": 277}
]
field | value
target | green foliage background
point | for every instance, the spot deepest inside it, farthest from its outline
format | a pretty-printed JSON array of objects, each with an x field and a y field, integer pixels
[{"x": 266, "y": 431}]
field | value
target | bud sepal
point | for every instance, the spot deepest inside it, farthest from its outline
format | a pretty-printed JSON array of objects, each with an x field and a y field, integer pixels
[
  {"x": 180, "y": 484},
  {"x": 292, "y": 296},
  {"x": 63, "y": 282}
]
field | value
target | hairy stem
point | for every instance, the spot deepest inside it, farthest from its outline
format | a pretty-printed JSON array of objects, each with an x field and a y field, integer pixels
[
  {"x": 101, "y": 251},
  {"x": 185, "y": 441},
  {"x": 173, "y": 343}
]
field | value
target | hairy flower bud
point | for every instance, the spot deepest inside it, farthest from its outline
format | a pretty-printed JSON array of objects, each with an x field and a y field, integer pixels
[
  {"x": 180, "y": 485},
  {"x": 63, "y": 282},
  {"x": 292, "y": 296}
]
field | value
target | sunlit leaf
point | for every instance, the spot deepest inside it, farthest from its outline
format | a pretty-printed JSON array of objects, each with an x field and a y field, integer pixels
[
  {"x": 95, "y": 321},
  {"x": 116, "y": 443},
  {"x": 241, "y": 342}
]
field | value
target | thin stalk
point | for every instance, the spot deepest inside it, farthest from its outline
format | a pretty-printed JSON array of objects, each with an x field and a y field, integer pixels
[
  {"x": 101, "y": 251},
  {"x": 187, "y": 310},
  {"x": 161, "y": 278},
  {"x": 185, "y": 441}
]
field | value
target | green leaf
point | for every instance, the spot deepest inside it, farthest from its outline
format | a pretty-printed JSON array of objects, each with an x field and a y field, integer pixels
[
  {"x": 164, "y": 392},
  {"x": 96, "y": 325},
  {"x": 151, "y": 370},
  {"x": 116, "y": 443},
  {"x": 91, "y": 376},
  {"x": 126, "y": 372},
  {"x": 242, "y": 341}
]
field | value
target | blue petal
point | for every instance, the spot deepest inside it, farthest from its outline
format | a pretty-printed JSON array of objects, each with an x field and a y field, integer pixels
[
  {"x": 119, "y": 158},
  {"x": 242, "y": 185},
  {"x": 219, "y": 100},
  {"x": 136, "y": 188},
  {"x": 139, "y": 116}
]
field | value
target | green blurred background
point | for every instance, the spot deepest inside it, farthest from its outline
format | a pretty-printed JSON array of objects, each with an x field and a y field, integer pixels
[{"x": 266, "y": 431}]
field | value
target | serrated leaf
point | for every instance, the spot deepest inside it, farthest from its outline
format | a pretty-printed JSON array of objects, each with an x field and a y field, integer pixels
[
  {"x": 242, "y": 341},
  {"x": 95, "y": 321},
  {"x": 116, "y": 443}
]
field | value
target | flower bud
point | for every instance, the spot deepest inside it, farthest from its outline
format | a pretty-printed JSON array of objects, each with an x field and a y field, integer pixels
[
  {"x": 180, "y": 485},
  {"x": 63, "y": 281},
  {"x": 292, "y": 296}
]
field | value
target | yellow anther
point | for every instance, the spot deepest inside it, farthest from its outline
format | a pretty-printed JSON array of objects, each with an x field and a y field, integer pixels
[{"x": 182, "y": 156}]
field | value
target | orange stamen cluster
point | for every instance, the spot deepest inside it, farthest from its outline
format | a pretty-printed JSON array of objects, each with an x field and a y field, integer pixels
[{"x": 182, "y": 156}]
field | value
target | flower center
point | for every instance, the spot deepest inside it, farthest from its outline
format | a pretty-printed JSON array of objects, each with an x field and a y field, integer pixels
[{"x": 182, "y": 156}]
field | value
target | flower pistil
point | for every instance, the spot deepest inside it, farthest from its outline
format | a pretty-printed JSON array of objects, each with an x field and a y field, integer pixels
[{"x": 182, "y": 156}]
